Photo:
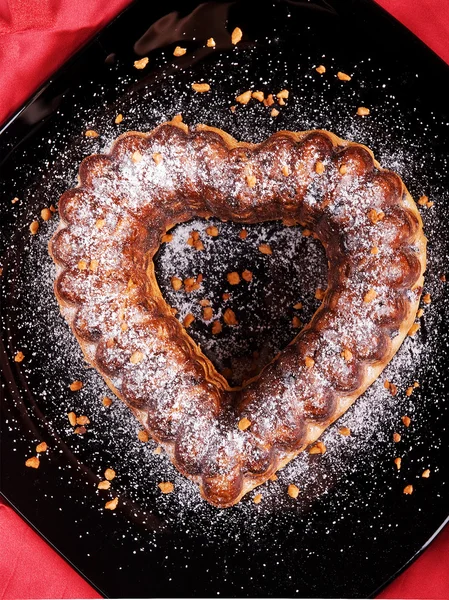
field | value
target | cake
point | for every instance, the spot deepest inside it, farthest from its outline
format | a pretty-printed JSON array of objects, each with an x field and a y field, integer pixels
[{"x": 227, "y": 439}]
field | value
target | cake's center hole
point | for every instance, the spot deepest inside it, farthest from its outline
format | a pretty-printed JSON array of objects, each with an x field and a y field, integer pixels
[{"x": 266, "y": 275}]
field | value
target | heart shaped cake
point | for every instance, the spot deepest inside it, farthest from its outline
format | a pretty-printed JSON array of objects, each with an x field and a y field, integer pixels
[{"x": 226, "y": 439}]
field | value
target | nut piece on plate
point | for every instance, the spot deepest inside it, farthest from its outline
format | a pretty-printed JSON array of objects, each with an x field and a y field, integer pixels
[
  {"x": 236, "y": 35},
  {"x": 142, "y": 63}
]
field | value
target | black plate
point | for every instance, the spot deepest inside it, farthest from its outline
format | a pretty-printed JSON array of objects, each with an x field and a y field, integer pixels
[{"x": 352, "y": 529}]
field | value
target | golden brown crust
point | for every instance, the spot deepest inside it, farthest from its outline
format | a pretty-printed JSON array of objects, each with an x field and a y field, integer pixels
[{"x": 110, "y": 229}]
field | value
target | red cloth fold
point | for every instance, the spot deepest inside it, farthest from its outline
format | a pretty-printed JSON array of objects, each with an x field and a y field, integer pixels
[{"x": 36, "y": 37}]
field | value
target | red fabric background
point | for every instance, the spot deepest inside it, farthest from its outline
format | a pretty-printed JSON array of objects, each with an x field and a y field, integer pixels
[{"x": 36, "y": 37}]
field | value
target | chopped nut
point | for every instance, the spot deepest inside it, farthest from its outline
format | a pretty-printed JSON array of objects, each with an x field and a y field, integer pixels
[
  {"x": 107, "y": 401},
  {"x": 80, "y": 430},
  {"x": 72, "y": 418},
  {"x": 76, "y": 385},
  {"x": 14, "y": 200},
  {"x": 99, "y": 223},
  {"x": 370, "y": 296},
  {"x": 124, "y": 326},
  {"x": 408, "y": 489},
  {"x": 233, "y": 108},
  {"x": 188, "y": 320},
  {"x": 293, "y": 491},
  {"x": 236, "y": 35},
  {"x": 319, "y": 167},
  {"x": 427, "y": 299},
  {"x": 244, "y": 98},
  {"x": 406, "y": 420},
  {"x": 166, "y": 238},
  {"x": 423, "y": 200},
  {"x": 274, "y": 112},
  {"x": 296, "y": 323},
  {"x": 362, "y": 111},
  {"x": 42, "y": 447},
  {"x": 229, "y": 317},
  {"x": 82, "y": 420},
  {"x": 251, "y": 180},
  {"x": 33, "y": 462},
  {"x": 283, "y": 95},
  {"x": 142, "y": 63},
  {"x": 409, "y": 391},
  {"x": 306, "y": 232},
  {"x": 136, "y": 157},
  {"x": 46, "y": 214},
  {"x": 398, "y": 462},
  {"x": 413, "y": 329},
  {"x": 104, "y": 485},
  {"x": 443, "y": 278},
  {"x": 375, "y": 216},
  {"x": 346, "y": 354},
  {"x": 166, "y": 487},
  {"x": 420, "y": 313},
  {"x": 269, "y": 100},
  {"x": 273, "y": 477},
  {"x": 82, "y": 265},
  {"x": 157, "y": 450},
  {"x": 320, "y": 293},
  {"x": 109, "y": 474},
  {"x": 257, "y": 499},
  {"x": 285, "y": 171},
  {"x": 176, "y": 283},
  {"x": 226, "y": 296},
  {"x": 243, "y": 234},
  {"x": 396, "y": 437},
  {"x": 19, "y": 357},
  {"x": 178, "y": 51},
  {"x": 233, "y": 278},
  {"x": 204, "y": 302},
  {"x": 343, "y": 169},
  {"x": 318, "y": 448},
  {"x": 198, "y": 245},
  {"x": 136, "y": 357},
  {"x": 93, "y": 266},
  {"x": 143, "y": 436},
  {"x": 208, "y": 313},
  {"x": 247, "y": 275},
  {"x": 244, "y": 423},
  {"x": 200, "y": 87},
  {"x": 258, "y": 96},
  {"x": 212, "y": 231},
  {"x": 298, "y": 306},
  {"x": 345, "y": 431},
  {"x": 265, "y": 249},
  {"x": 343, "y": 77},
  {"x": 157, "y": 157},
  {"x": 112, "y": 504},
  {"x": 374, "y": 250},
  {"x": 216, "y": 327},
  {"x": 90, "y": 133},
  {"x": 34, "y": 227},
  {"x": 177, "y": 118},
  {"x": 426, "y": 474},
  {"x": 210, "y": 43},
  {"x": 320, "y": 69},
  {"x": 393, "y": 389},
  {"x": 309, "y": 362},
  {"x": 118, "y": 119}
]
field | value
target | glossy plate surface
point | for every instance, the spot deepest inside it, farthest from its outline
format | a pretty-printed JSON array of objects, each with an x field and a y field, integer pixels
[{"x": 351, "y": 528}]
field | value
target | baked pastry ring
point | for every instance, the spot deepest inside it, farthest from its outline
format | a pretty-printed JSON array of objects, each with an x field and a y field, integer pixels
[{"x": 111, "y": 227}]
